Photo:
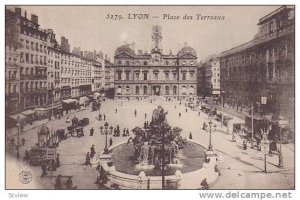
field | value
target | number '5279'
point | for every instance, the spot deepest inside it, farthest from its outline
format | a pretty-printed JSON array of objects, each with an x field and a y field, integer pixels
[{"x": 114, "y": 17}]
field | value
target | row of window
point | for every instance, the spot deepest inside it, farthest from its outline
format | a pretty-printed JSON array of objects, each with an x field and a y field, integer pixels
[
  {"x": 127, "y": 62},
  {"x": 32, "y": 86},
  {"x": 167, "y": 89},
  {"x": 145, "y": 75},
  {"x": 34, "y": 46},
  {"x": 31, "y": 71},
  {"x": 33, "y": 59},
  {"x": 34, "y": 34}
]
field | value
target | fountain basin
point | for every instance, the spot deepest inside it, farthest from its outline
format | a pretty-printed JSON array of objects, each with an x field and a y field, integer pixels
[{"x": 121, "y": 170}]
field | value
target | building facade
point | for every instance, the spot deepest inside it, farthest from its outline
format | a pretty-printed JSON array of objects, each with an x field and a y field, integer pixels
[
  {"x": 260, "y": 73},
  {"x": 155, "y": 74},
  {"x": 209, "y": 77},
  {"x": 40, "y": 73}
]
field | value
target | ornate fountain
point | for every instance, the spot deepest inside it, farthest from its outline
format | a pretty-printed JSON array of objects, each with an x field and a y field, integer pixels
[{"x": 157, "y": 142}]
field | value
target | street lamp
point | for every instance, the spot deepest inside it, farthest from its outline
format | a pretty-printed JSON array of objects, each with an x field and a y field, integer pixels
[
  {"x": 252, "y": 134},
  {"x": 281, "y": 122},
  {"x": 211, "y": 128},
  {"x": 106, "y": 131},
  {"x": 18, "y": 136},
  {"x": 222, "y": 97}
]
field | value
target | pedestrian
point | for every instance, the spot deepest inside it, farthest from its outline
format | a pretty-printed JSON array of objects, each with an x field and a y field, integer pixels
[
  {"x": 23, "y": 141},
  {"x": 245, "y": 145},
  {"x": 118, "y": 130},
  {"x": 145, "y": 115},
  {"x": 233, "y": 137},
  {"x": 179, "y": 114},
  {"x": 116, "y": 110},
  {"x": 175, "y": 107},
  {"x": 104, "y": 117},
  {"x": 124, "y": 132},
  {"x": 98, "y": 168},
  {"x": 191, "y": 136},
  {"x": 198, "y": 113},
  {"x": 88, "y": 159},
  {"x": 100, "y": 117},
  {"x": 27, "y": 156},
  {"x": 93, "y": 152},
  {"x": 110, "y": 142},
  {"x": 57, "y": 185},
  {"x": 57, "y": 161},
  {"x": 217, "y": 170},
  {"x": 204, "y": 126},
  {"x": 127, "y": 132},
  {"x": 44, "y": 170},
  {"x": 185, "y": 109},
  {"x": 204, "y": 184},
  {"x": 92, "y": 131},
  {"x": 115, "y": 132},
  {"x": 135, "y": 112},
  {"x": 69, "y": 183}
]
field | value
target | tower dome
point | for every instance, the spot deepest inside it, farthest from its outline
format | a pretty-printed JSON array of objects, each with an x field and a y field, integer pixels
[
  {"x": 187, "y": 50},
  {"x": 126, "y": 49}
]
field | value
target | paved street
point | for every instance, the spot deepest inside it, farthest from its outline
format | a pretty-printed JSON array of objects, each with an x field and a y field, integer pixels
[{"x": 240, "y": 169}]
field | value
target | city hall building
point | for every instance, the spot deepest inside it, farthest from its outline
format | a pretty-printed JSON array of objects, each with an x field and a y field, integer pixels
[{"x": 155, "y": 74}]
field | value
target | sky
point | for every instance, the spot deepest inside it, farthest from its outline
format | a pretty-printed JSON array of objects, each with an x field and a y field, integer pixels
[{"x": 88, "y": 28}]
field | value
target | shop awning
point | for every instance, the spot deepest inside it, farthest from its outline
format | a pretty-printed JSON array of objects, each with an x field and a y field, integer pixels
[
  {"x": 28, "y": 112},
  {"x": 15, "y": 117},
  {"x": 68, "y": 101},
  {"x": 82, "y": 100}
]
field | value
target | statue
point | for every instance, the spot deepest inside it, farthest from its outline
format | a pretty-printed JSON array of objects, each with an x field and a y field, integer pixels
[{"x": 148, "y": 143}]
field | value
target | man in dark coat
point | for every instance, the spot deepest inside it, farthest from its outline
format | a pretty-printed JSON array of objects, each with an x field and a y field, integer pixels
[
  {"x": 93, "y": 152},
  {"x": 110, "y": 142},
  {"x": 127, "y": 132},
  {"x": 58, "y": 183},
  {"x": 44, "y": 170},
  {"x": 88, "y": 159},
  {"x": 204, "y": 184},
  {"x": 92, "y": 131}
]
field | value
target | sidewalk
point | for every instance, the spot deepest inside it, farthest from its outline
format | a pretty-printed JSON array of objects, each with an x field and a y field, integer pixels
[{"x": 13, "y": 131}]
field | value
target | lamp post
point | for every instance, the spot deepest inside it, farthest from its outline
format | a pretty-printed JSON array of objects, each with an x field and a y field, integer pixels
[
  {"x": 106, "y": 131},
  {"x": 222, "y": 98},
  {"x": 281, "y": 122},
  {"x": 252, "y": 134},
  {"x": 18, "y": 136},
  {"x": 211, "y": 128}
]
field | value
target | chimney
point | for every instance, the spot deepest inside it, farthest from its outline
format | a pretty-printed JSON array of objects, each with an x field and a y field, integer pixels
[
  {"x": 25, "y": 14},
  {"x": 18, "y": 11},
  {"x": 105, "y": 57},
  {"x": 34, "y": 18}
]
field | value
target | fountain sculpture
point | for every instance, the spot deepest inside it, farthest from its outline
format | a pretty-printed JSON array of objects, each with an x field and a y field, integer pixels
[{"x": 148, "y": 143}]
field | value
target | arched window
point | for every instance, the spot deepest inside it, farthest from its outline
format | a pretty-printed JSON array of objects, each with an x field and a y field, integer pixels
[
  {"x": 145, "y": 89},
  {"x": 192, "y": 90},
  {"x": 127, "y": 89},
  {"x": 183, "y": 90},
  {"x": 119, "y": 90},
  {"x": 174, "y": 89},
  {"x": 167, "y": 90},
  {"x": 137, "y": 89}
]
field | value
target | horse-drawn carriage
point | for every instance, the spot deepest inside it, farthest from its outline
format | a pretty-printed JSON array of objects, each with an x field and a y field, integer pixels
[
  {"x": 96, "y": 106},
  {"x": 61, "y": 134},
  {"x": 84, "y": 122}
]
